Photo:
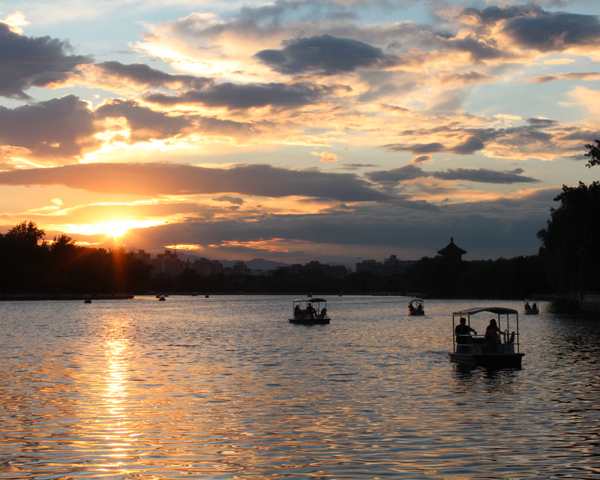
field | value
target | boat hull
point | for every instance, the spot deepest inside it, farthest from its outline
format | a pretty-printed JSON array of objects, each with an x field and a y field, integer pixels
[
  {"x": 309, "y": 321},
  {"x": 531, "y": 312},
  {"x": 488, "y": 360},
  {"x": 416, "y": 313}
]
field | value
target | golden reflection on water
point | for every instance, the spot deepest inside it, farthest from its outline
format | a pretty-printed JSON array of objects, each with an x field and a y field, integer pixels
[
  {"x": 116, "y": 376},
  {"x": 115, "y": 398}
]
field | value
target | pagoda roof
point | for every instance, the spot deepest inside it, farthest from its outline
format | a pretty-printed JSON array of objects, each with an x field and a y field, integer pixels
[{"x": 451, "y": 249}]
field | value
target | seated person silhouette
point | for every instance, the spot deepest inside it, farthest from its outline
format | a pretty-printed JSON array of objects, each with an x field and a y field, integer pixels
[{"x": 463, "y": 336}]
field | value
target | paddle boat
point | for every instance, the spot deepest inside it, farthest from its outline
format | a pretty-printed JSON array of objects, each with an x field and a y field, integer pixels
[
  {"x": 162, "y": 298},
  {"x": 530, "y": 307},
  {"x": 497, "y": 349},
  {"x": 310, "y": 311},
  {"x": 416, "y": 306}
]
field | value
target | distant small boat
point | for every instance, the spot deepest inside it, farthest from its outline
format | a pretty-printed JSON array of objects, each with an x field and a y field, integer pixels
[
  {"x": 310, "y": 312},
  {"x": 206, "y": 296},
  {"x": 530, "y": 309},
  {"x": 87, "y": 299},
  {"x": 162, "y": 298},
  {"x": 489, "y": 351},
  {"x": 416, "y": 306}
]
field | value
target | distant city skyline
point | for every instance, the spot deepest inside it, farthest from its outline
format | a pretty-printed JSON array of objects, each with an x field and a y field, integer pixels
[{"x": 330, "y": 130}]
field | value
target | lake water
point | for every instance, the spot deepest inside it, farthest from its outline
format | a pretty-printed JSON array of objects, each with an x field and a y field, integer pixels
[{"x": 224, "y": 387}]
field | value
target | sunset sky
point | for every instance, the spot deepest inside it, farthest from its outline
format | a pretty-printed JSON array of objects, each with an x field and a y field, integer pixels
[{"x": 296, "y": 130}]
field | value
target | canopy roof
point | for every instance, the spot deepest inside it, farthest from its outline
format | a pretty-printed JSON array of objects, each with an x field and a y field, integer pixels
[
  {"x": 418, "y": 300},
  {"x": 496, "y": 310}
]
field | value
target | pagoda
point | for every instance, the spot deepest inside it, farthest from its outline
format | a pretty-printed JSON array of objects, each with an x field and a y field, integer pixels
[{"x": 452, "y": 250}]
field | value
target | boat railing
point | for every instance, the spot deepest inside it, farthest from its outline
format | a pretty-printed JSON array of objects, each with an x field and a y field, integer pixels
[
  {"x": 308, "y": 314},
  {"x": 508, "y": 343}
]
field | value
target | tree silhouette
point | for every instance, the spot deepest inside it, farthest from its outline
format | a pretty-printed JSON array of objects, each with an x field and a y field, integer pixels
[
  {"x": 571, "y": 241},
  {"x": 593, "y": 153}
]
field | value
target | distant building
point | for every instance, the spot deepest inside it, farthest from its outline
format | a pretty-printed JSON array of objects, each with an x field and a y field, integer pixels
[
  {"x": 205, "y": 267},
  {"x": 452, "y": 250},
  {"x": 142, "y": 255},
  {"x": 167, "y": 263},
  {"x": 240, "y": 268}
]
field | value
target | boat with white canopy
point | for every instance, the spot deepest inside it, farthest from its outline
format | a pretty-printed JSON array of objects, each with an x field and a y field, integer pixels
[
  {"x": 497, "y": 348},
  {"x": 310, "y": 311}
]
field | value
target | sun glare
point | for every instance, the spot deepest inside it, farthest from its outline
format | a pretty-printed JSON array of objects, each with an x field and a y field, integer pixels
[
  {"x": 117, "y": 229},
  {"x": 113, "y": 229}
]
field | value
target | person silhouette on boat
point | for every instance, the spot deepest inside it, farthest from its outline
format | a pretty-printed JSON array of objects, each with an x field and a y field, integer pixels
[
  {"x": 411, "y": 309},
  {"x": 296, "y": 310},
  {"x": 463, "y": 335},
  {"x": 527, "y": 306},
  {"x": 310, "y": 309},
  {"x": 492, "y": 336},
  {"x": 323, "y": 313},
  {"x": 419, "y": 308},
  {"x": 534, "y": 306}
]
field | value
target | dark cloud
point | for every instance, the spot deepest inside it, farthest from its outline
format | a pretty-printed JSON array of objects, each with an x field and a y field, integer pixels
[
  {"x": 59, "y": 128},
  {"x": 416, "y": 148},
  {"x": 542, "y": 122},
  {"x": 27, "y": 61},
  {"x": 145, "y": 124},
  {"x": 471, "y": 145},
  {"x": 168, "y": 179},
  {"x": 230, "y": 199},
  {"x": 479, "y": 48},
  {"x": 397, "y": 175},
  {"x": 494, "y": 14},
  {"x": 325, "y": 55},
  {"x": 565, "y": 76},
  {"x": 142, "y": 75},
  {"x": 554, "y": 31},
  {"x": 237, "y": 97},
  {"x": 481, "y": 175}
]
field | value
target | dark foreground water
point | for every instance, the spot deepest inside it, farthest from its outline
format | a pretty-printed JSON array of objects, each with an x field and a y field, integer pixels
[{"x": 225, "y": 387}]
